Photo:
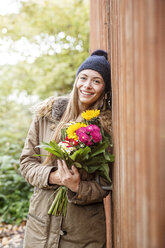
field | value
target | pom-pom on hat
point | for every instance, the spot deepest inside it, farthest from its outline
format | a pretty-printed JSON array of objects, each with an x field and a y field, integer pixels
[{"x": 98, "y": 61}]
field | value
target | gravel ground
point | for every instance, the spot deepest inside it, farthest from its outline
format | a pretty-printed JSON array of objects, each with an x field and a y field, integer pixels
[{"x": 11, "y": 236}]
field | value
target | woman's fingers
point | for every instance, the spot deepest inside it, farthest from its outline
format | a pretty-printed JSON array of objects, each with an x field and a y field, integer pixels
[
  {"x": 59, "y": 164},
  {"x": 60, "y": 167},
  {"x": 75, "y": 170},
  {"x": 65, "y": 167},
  {"x": 60, "y": 170},
  {"x": 71, "y": 172},
  {"x": 64, "y": 172}
]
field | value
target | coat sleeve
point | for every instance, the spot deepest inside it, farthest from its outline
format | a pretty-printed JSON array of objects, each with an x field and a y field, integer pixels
[
  {"x": 89, "y": 192},
  {"x": 31, "y": 168}
]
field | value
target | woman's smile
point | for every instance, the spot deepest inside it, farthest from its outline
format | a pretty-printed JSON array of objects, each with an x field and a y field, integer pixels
[{"x": 86, "y": 93}]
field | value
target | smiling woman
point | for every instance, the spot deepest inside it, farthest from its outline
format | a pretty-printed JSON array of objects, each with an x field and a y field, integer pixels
[{"x": 84, "y": 223}]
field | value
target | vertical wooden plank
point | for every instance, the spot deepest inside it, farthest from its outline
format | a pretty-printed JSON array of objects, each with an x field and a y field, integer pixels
[
  {"x": 147, "y": 86},
  {"x": 98, "y": 25},
  {"x": 115, "y": 73},
  {"x": 141, "y": 124}
]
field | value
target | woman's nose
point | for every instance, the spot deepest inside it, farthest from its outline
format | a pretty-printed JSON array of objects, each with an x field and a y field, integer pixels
[{"x": 88, "y": 83}]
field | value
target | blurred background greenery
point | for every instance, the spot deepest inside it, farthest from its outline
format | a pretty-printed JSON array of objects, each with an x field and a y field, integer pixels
[{"x": 42, "y": 43}]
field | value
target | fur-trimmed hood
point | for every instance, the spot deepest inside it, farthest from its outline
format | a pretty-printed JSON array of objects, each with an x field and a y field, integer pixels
[{"x": 54, "y": 107}]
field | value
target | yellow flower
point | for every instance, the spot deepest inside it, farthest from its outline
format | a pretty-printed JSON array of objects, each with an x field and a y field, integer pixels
[
  {"x": 90, "y": 114},
  {"x": 71, "y": 130}
]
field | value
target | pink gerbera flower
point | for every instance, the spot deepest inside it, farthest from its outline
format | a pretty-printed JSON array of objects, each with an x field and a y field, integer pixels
[
  {"x": 89, "y": 143},
  {"x": 84, "y": 138},
  {"x": 81, "y": 130},
  {"x": 91, "y": 127},
  {"x": 96, "y": 136}
]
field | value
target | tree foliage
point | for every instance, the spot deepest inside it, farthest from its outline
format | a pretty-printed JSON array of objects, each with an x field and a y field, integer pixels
[{"x": 66, "y": 24}]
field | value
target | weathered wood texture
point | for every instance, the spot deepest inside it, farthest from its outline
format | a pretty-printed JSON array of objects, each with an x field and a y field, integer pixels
[
  {"x": 98, "y": 24},
  {"x": 132, "y": 30}
]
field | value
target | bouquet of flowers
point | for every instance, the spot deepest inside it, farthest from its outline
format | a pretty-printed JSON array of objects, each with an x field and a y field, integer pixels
[{"x": 84, "y": 145}]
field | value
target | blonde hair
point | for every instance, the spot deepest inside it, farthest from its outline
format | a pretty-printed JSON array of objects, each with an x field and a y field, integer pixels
[{"x": 71, "y": 114}]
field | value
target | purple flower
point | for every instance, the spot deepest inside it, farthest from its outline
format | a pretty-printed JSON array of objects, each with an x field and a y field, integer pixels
[
  {"x": 81, "y": 130},
  {"x": 92, "y": 128},
  {"x": 84, "y": 138},
  {"x": 96, "y": 136}
]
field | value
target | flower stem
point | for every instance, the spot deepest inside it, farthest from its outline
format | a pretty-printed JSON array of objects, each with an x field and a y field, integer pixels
[{"x": 59, "y": 205}]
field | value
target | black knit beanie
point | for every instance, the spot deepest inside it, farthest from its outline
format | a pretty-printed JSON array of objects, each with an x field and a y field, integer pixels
[{"x": 98, "y": 61}]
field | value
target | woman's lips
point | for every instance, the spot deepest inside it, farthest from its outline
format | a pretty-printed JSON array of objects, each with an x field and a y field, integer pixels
[{"x": 86, "y": 93}]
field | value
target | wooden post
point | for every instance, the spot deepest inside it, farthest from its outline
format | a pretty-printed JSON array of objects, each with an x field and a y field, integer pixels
[{"x": 132, "y": 33}]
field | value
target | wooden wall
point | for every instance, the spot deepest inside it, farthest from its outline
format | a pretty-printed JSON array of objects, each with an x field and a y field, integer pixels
[{"x": 132, "y": 33}]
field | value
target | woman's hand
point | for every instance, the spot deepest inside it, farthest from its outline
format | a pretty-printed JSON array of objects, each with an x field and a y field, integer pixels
[
  {"x": 68, "y": 178},
  {"x": 64, "y": 176}
]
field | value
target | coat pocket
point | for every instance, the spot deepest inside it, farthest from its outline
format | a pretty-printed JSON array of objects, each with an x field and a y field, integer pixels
[{"x": 36, "y": 232}]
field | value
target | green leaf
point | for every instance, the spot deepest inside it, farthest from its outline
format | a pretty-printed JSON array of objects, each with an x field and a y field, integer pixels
[
  {"x": 55, "y": 146},
  {"x": 78, "y": 165},
  {"x": 75, "y": 156},
  {"x": 112, "y": 157},
  {"x": 81, "y": 154},
  {"x": 86, "y": 168},
  {"x": 40, "y": 155},
  {"x": 107, "y": 156},
  {"x": 44, "y": 143},
  {"x": 96, "y": 160},
  {"x": 104, "y": 168},
  {"x": 93, "y": 169},
  {"x": 63, "y": 133},
  {"x": 99, "y": 149},
  {"x": 59, "y": 155},
  {"x": 85, "y": 152}
]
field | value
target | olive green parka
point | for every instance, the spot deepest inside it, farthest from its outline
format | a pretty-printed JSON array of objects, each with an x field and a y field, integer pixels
[{"x": 84, "y": 225}]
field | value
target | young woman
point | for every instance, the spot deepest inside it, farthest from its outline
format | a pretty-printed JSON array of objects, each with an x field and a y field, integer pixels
[{"x": 84, "y": 224}]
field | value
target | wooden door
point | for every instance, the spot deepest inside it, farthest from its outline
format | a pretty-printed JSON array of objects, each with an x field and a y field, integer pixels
[{"x": 132, "y": 33}]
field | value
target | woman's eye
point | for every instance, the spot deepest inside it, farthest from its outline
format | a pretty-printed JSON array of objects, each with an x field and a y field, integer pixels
[
  {"x": 97, "y": 81},
  {"x": 82, "y": 78}
]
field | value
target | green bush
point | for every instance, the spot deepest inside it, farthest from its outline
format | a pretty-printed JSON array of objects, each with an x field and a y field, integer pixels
[{"x": 15, "y": 192}]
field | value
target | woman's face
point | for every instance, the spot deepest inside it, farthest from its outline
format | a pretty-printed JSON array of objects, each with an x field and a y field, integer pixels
[{"x": 90, "y": 86}]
